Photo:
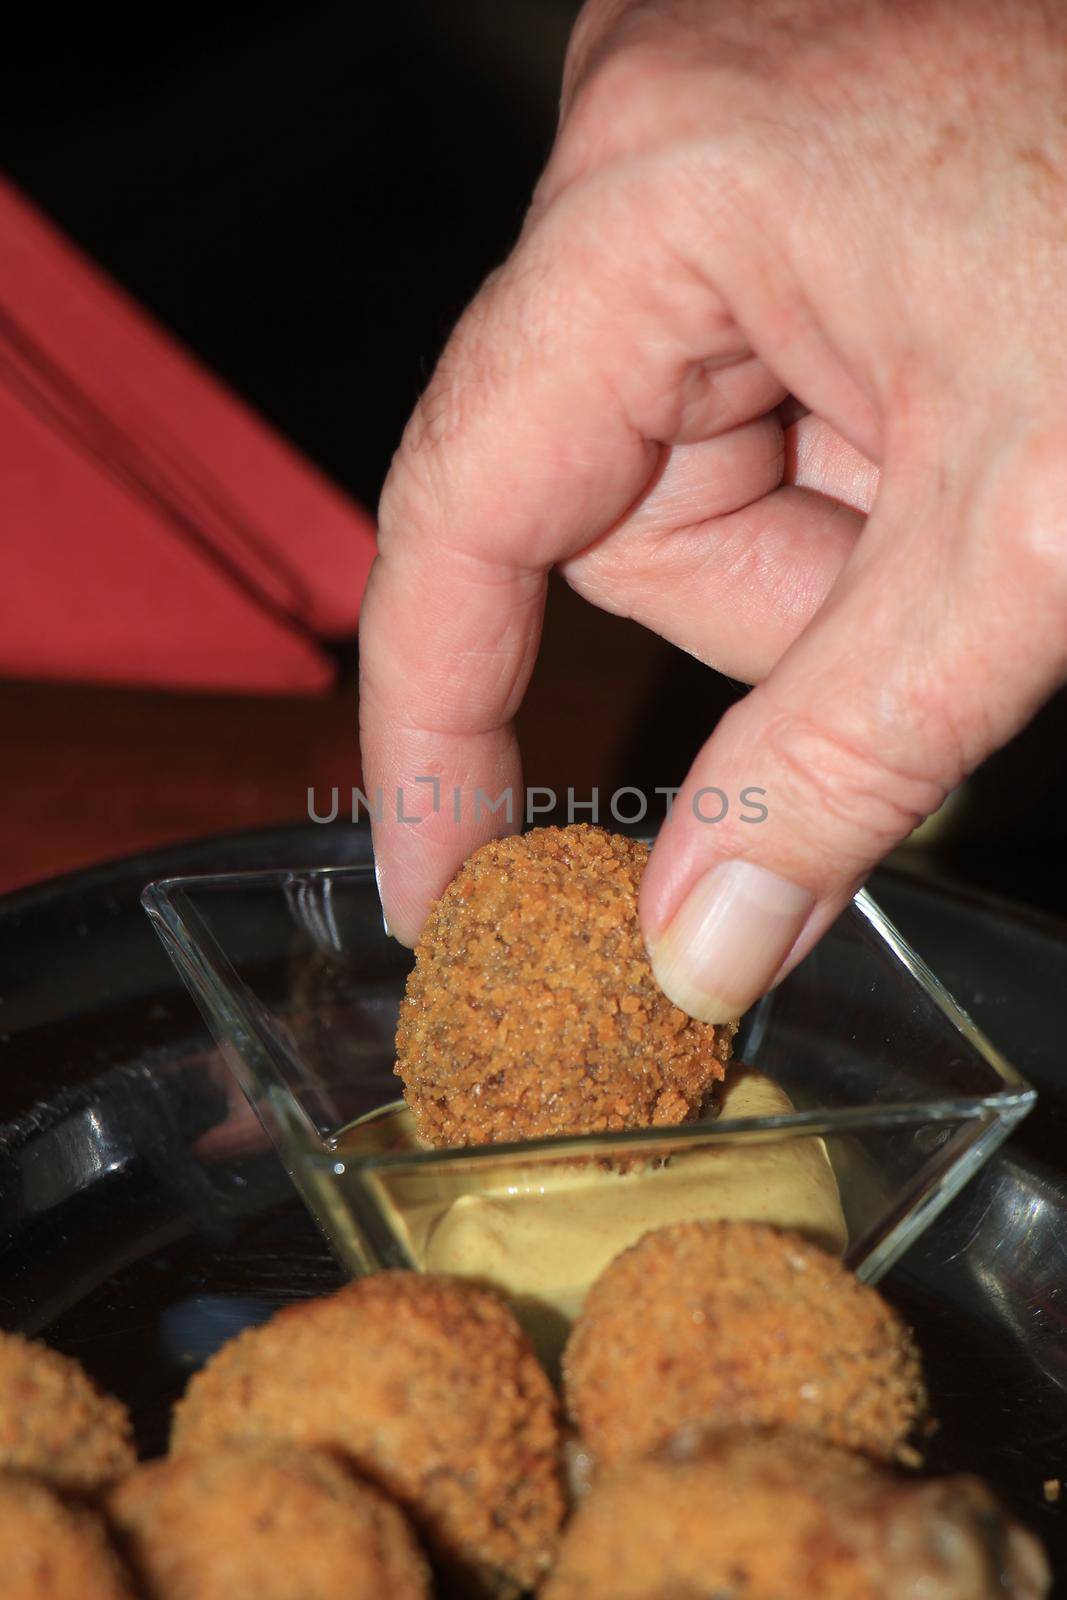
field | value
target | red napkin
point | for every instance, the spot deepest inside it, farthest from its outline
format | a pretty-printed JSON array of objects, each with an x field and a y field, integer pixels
[{"x": 153, "y": 529}]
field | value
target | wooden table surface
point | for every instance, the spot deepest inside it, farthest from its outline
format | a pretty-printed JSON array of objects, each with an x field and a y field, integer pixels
[{"x": 88, "y": 774}]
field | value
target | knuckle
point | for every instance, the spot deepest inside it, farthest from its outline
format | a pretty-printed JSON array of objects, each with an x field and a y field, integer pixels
[
  {"x": 466, "y": 366},
  {"x": 461, "y": 390},
  {"x": 411, "y": 506},
  {"x": 599, "y": 35},
  {"x": 617, "y": 99},
  {"x": 611, "y": 79},
  {"x": 510, "y": 317},
  {"x": 592, "y": 26},
  {"x": 841, "y": 791},
  {"x": 440, "y": 410}
]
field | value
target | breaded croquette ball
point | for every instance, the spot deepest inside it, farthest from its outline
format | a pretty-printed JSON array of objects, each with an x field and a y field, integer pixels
[
  {"x": 737, "y": 1324},
  {"x": 55, "y": 1422},
  {"x": 429, "y": 1388},
  {"x": 789, "y": 1518},
  {"x": 53, "y": 1550},
  {"x": 264, "y": 1524},
  {"x": 532, "y": 1008}
]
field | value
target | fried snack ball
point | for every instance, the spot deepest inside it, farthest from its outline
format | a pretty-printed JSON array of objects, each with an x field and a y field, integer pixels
[
  {"x": 429, "y": 1388},
  {"x": 56, "y": 1423},
  {"x": 737, "y": 1324},
  {"x": 788, "y": 1518},
  {"x": 532, "y": 1008},
  {"x": 53, "y": 1550},
  {"x": 264, "y": 1524}
]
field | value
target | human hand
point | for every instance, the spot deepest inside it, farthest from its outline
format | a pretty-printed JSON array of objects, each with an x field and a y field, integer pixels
[{"x": 857, "y": 202}]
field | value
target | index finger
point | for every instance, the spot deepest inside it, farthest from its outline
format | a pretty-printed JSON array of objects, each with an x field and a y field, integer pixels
[{"x": 545, "y": 420}]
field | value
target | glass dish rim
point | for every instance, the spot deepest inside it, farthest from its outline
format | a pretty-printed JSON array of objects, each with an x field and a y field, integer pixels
[
  {"x": 200, "y": 950},
  {"x": 223, "y": 996}
]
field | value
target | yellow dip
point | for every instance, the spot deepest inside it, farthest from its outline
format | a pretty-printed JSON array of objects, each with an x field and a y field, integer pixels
[{"x": 542, "y": 1233}]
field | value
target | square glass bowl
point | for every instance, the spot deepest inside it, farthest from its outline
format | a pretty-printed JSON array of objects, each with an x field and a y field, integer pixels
[{"x": 893, "y": 1095}]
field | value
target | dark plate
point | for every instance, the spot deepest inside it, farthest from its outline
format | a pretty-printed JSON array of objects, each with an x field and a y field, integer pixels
[{"x": 145, "y": 1219}]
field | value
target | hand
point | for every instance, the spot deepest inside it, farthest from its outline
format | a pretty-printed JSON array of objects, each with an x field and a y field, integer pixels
[{"x": 861, "y": 203}]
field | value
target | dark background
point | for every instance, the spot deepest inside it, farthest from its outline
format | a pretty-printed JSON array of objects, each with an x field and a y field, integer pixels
[{"x": 307, "y": 196}]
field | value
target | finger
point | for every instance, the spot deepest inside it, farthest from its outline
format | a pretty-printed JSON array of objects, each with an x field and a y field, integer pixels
[
  {"x": 546, "y": 420},
  {"x": 445, "y": 654},
  {"x": 902, "y": 682},
  {"x": 817, "y": 457},
  {"x": 733, "y": 586}
]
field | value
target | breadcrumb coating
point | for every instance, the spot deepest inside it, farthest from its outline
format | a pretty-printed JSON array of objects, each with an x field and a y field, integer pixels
[
  {"x": 429, "y": 1388},
  {"x": 53, "y": 1550},
  {"x": 738, "y": 1324},
  {"x": 264, "y": 1524},
  {"x": 532, "y": 1009},
  {"x": 789, "y": 1518},
  {"x": 55, "y": 1422}
]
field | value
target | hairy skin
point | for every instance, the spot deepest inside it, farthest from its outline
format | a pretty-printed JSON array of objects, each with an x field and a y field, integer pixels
[{"x": 859, "y": 203}]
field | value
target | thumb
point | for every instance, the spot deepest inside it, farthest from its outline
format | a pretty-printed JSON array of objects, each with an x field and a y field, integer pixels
[{"x": 943, "y": 634}]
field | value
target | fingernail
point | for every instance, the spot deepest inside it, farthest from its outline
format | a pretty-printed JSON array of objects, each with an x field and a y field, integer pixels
[
  {"x": 378, "y": 881},
  {"x": 726, "y": 941}
]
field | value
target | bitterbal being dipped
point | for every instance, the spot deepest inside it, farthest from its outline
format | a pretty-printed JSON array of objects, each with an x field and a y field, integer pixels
[{"x": 532, "y": 1009}]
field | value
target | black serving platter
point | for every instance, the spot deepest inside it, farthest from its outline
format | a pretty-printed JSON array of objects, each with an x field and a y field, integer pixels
[{"x": 144, "y": 1218}]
